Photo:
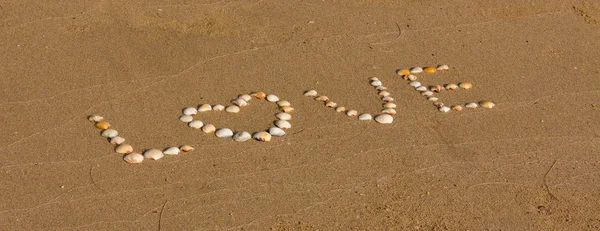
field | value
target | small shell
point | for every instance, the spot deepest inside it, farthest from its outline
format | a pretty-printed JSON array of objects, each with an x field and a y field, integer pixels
[
  {"x": 365, "y": 116},
  {"x": 240, "y": 102},
  {"x": 153, "y": 154},
  {"x": 421, "y": 88},
  {"x": 204, "y": 108},
  {"x": 262, "y": 136},
  {"x": 465, "y": 85},
  {"x": 387, "y": 99},
  {"x": 487, "y": 104},
  {"x": 389, "y": 111},
  {"x": 410, "y": 77},
  {"x": 438, "y": 104},
  {"x": 381, "y": 88},
  {"x": 427, "y": 93},
  {"x": 373, "y": 78},
  {"x": 109, "y": 133},
  {"x": 451, "y": 86},
  {"x": 186, "y": 118},
  {"x": 389, "y": 105},
  {"x": 171, "y": 151},
  {"x": 186, "y": 148},
  {"x": 208, "y": 128},
  {"x": 283, "y": 103},
  {"x": 232, "y": 109},
  {"x": 283, "y": 124},
  {"x": 95, "y": 118},
  {"x": 224, "y": 133},
  {"x": 384, "y": 119},
  {"x": 457, "y": 108},
  {"x": 444, "y": 109},
  {"x": 196, "y": 124},
  {"x": 416, "y": 70},
  {"x": 351, "y": 113},
  {"x": 283, "y": 116},
  {"x": 340, "y": 109},
  {"x": 322, "y": 98},
  {"x": 218, "y": 107},
  {"x": 241, "y": 136},
  {"x": 376, "y": 83},
  {"x": 415, "y": 84},
  {"x": 432, "y": 99},
  {"x": 245, "y": 97},
  {"x": 310, "y": 93},
  {"x": 275, "y": 131},
  {"x": 429, "y": 70},
  {"x": 133, "y": 158},
  {"x": 117, "y": 140},
  {"x": 190, "y": 111},
  {"x": 403, "y": 72},
  {"x": 331, "y": 104},
  {"x": 272, "y": 98},
  {"x": 442, "y": 67},
  {"x": 259, "y": 95},
  {"x": 102, "y": 125},
  {"x": 471, "y": 105},
  {"x": 124, "y": 149},
  {"x": 436, "y": 88},
  {"x": 383, "y": 93},
  {"x": 287, "y": 109}
]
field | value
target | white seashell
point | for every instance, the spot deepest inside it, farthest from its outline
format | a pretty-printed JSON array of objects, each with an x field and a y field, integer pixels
[
  {"x": 95, "y": 118},
  {"x": 109, "y": 133},
  {"x": 427, "y": 93},
  {"x": 432, "y": 98},
  {"x": 218, "y": 107},
  {"x": 124, "y": 149},
  {"x": 240, "y": 102},
  {"x": 186, "y": 148},
  {"x": 410, "y": 77},
  {"x": 190, "y": 111},
  {"x": 444, "y": 109},
  {"x": 311, "y": 93},
  {"x": 365, "y": 116},
  {"x": 351, "y": 113},
  {"x": 416, "y": 70},
  {"x": 272, "y": 98},
  {"x": 376, "y": 83},
  {"x": 196, "y": 124},
  {"x": 224, "y": 133},
  {"x": 373, "y": 78},
  {"x": 421, "y": 88},
  {"x": 322, "y": 98},
  {"x": 171, "y": 151},
  {"x": 387, "y": 99},
  {"x": 245, "y": 97},
  {"x": 209, "y": 128},
  {"x": 331, "y": 104},
  {"x": 186, "y": 118},
  {"x": 283, "y": 103},
  {"x": 451, "y": 86},
  {"x": 340, "y": 109},
  {"x": 381, "y": 88},
  {"x": 383, "y": 93},
  {"x": 283, "y": 124},
  {"x": 389, "y": 105},
  {"x": 204, "y": 108},
  {"x": 442, "y": 67},
  {"x": 117, "y": 140},
  {"x": 153, "y": 154},
  {"x": 415, "y": 84},
  {"x": 232, "y": 109},
  {"x": 275, "y": 131},
  {"x": 384, "y": 119},
  {"x": 471, "y": 105},
  {"x": 457, "y": 108},
  {"x": 262, "y": 136},
  {"x": 241, "y": 136},
  {"x": 487, "y": 104},
  {"x": 389, "y": 111},
  {"x": 283, "y": 116},
  {"x": 133, "y": 158}
]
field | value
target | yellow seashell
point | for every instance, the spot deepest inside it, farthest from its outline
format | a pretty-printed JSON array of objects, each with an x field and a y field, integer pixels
[
  {"x": 102, "y": 125},
  {"x": 340, "y": 109},
  {"x": 403, "y": 72},
  {"x": 487, "y": 104},
  {"x": 429, "y": 69},
  {"x": 259, "y": 95},
  {"x": 124, "y": 149},
  {"x": 262, "y": 136},
  {"x": 322, "y": 98},
  {"x": 287, "y": 109},
  {"x": 465, "y": 85},
  {"x": 457, "y": 108},
  {"x": 186, "y": 148}
]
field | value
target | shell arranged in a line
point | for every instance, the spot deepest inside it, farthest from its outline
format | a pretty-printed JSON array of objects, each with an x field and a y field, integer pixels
[
  {"x": 204, "y": 108},
  {"x": 311, "y": 93},
  {"x": 287, "y": 109},
  {"x": 331, "y": 104},
  {"x": 387, "y": 99},
  {"x": 432, "y": 98},
  {"x": 153, "y": 154},
  {"x": 351, "y": 113},
  {"x": 389, "y": 111},
  {"x": 340, "y": 109},
  {"x": 196, "y": 124},
  {"x": 190, "y": 111},
  {"x": 209, "y": 128},
  {"x": 95, "y": 118},
  {"x": 259, "y": 95},
  {"x": 415, "y": 84},
  {"x": 102, "y": 125},
  {"x": 171, "y": 151},
  {"x": 384, "y": 119},
  {"x": 224, "y": 133},
  {"x": 389, "y": 105},
  {"x": 283, "y": 116},
  {"x": 272, "y": 98},
  {"x": 262, "y": 136},
  {"x": 444, "y": 109},
  {"x": 240, "y": 102},
  {"x": 471, "y": 105},
  {"x": 232, "y": 109},
  {"x": 133, "y": 158},
  {"x": 451, "y": 86},
  {"x": 218, "y": 107},
  {"x": 376, "y": 83},
  {"x": 427, "y": 93},
  {"x": 322, "y": 98},
  {"x": 465, "y": 85},
  {"x": 186, "y": 118},
  {"x": 109, "y": 133},
  {"x": 124, "y": 149},
  {"x": 429, "y": 69},
  {"x": 421, "y": 88},
  {"x": 487, "y": 104},
  {"x": 284, "y": 103},
  {"x": 245, "y": 97},
  {"x": 442, "y": 67},
  {"x": 186, "y": 148},
  {"x": 117, "y": 140},
  {"x": 275, "y": 131},
  {"x": 416, "y": 70},
  {"x": 403, "y": 72},
  {"x": 283, "y": 124},
  {"x": 457, "y": 108},
  {"x": 365, "y": 116},
  {"x": 241, "y": 136}
]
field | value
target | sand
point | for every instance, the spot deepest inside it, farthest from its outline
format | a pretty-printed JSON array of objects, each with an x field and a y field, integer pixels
[{"x": 531, "y": 163}]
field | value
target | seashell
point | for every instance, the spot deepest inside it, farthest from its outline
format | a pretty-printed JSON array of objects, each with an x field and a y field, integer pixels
[
  {"x": 381, "y": 88},
  {"x": 109, "y": 133},
  {"x": 415, "y": 84},
  {"x": 283, "y": 124},
  {"x": 124, "y": 149},
  {"x": 240, "y": 102},
  {"x": 190, "y": 111},
  {"x": 259, "y": 95},
  {"x": 421, "y": 88},
  {"x": 376, "y": 83},
  {"x": 204, "y": 108},
  {"x": 457, "y": 108},
  {"x": 389, "y": 111},
  {"x": 102, "y": 125},
  {"x": 262, "y": 136},
  {"x": 186, "y": 148},
  {"x": 389, "y": 105},
  {"x": 438, "y": 104},
  {"x": 410, "y": 77},
  {"x": 275, "y": 131},
  {"x": 387, "y": 99},
  {"x": 340, "y": 109},
  {"x": 117, "y": 140},
  {"x": 241, "y": 136},
  {"x": 95, "y": 118},
  {"x": 444, "y": 109},
  {"x": 373, "y": 78},
  {"x": 403, "y": 72},
  {"x": 442, "y": 68},
  {"x": 322, "y": 98},
  {"x": 436, "y": 88},
  {"x": 153, "y": 154},
  {"x": 232, "y": 109},
  {"x": 283, "y": 103},
  {"x": 133, "y": 158},
  {"x": 272, "y": 98},
  {"x": 471, "y": 105},
  {"x": 245, "y": 97},
  {"x": 383, "y": 93},
  {"x": 487, "y": 104},
  {"x": 451, "y": 86},
  {"x": 365, "y": 116},
  {"x": 432, "y": 99},
  {"x": 416, "y": 70},
  {"x": 171, "y": 151},
  {"x": 224, "y": 133},
  {"x": 287, "y": 109},
  {"x": 331, "y": 104},
  {"x": 311, "y": 93},
  {"x": 465, "y": 85},
  {"x": 429, "y": 70},
  {"x": 351, "y": 113},
  {"x": 427, "y": 93},
  {"x": 196, "y": 124},
  {"x": 218, "y": 107},
  {"x": 186, "y": 118},
  {"x": 208, "y": 128},
  {"x": 283, "y": 116},
  {"x": 384, "y": 119}
]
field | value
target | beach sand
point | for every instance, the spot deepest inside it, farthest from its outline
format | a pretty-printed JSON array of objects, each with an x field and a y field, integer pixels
[{"x": 530, "y": 163}]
